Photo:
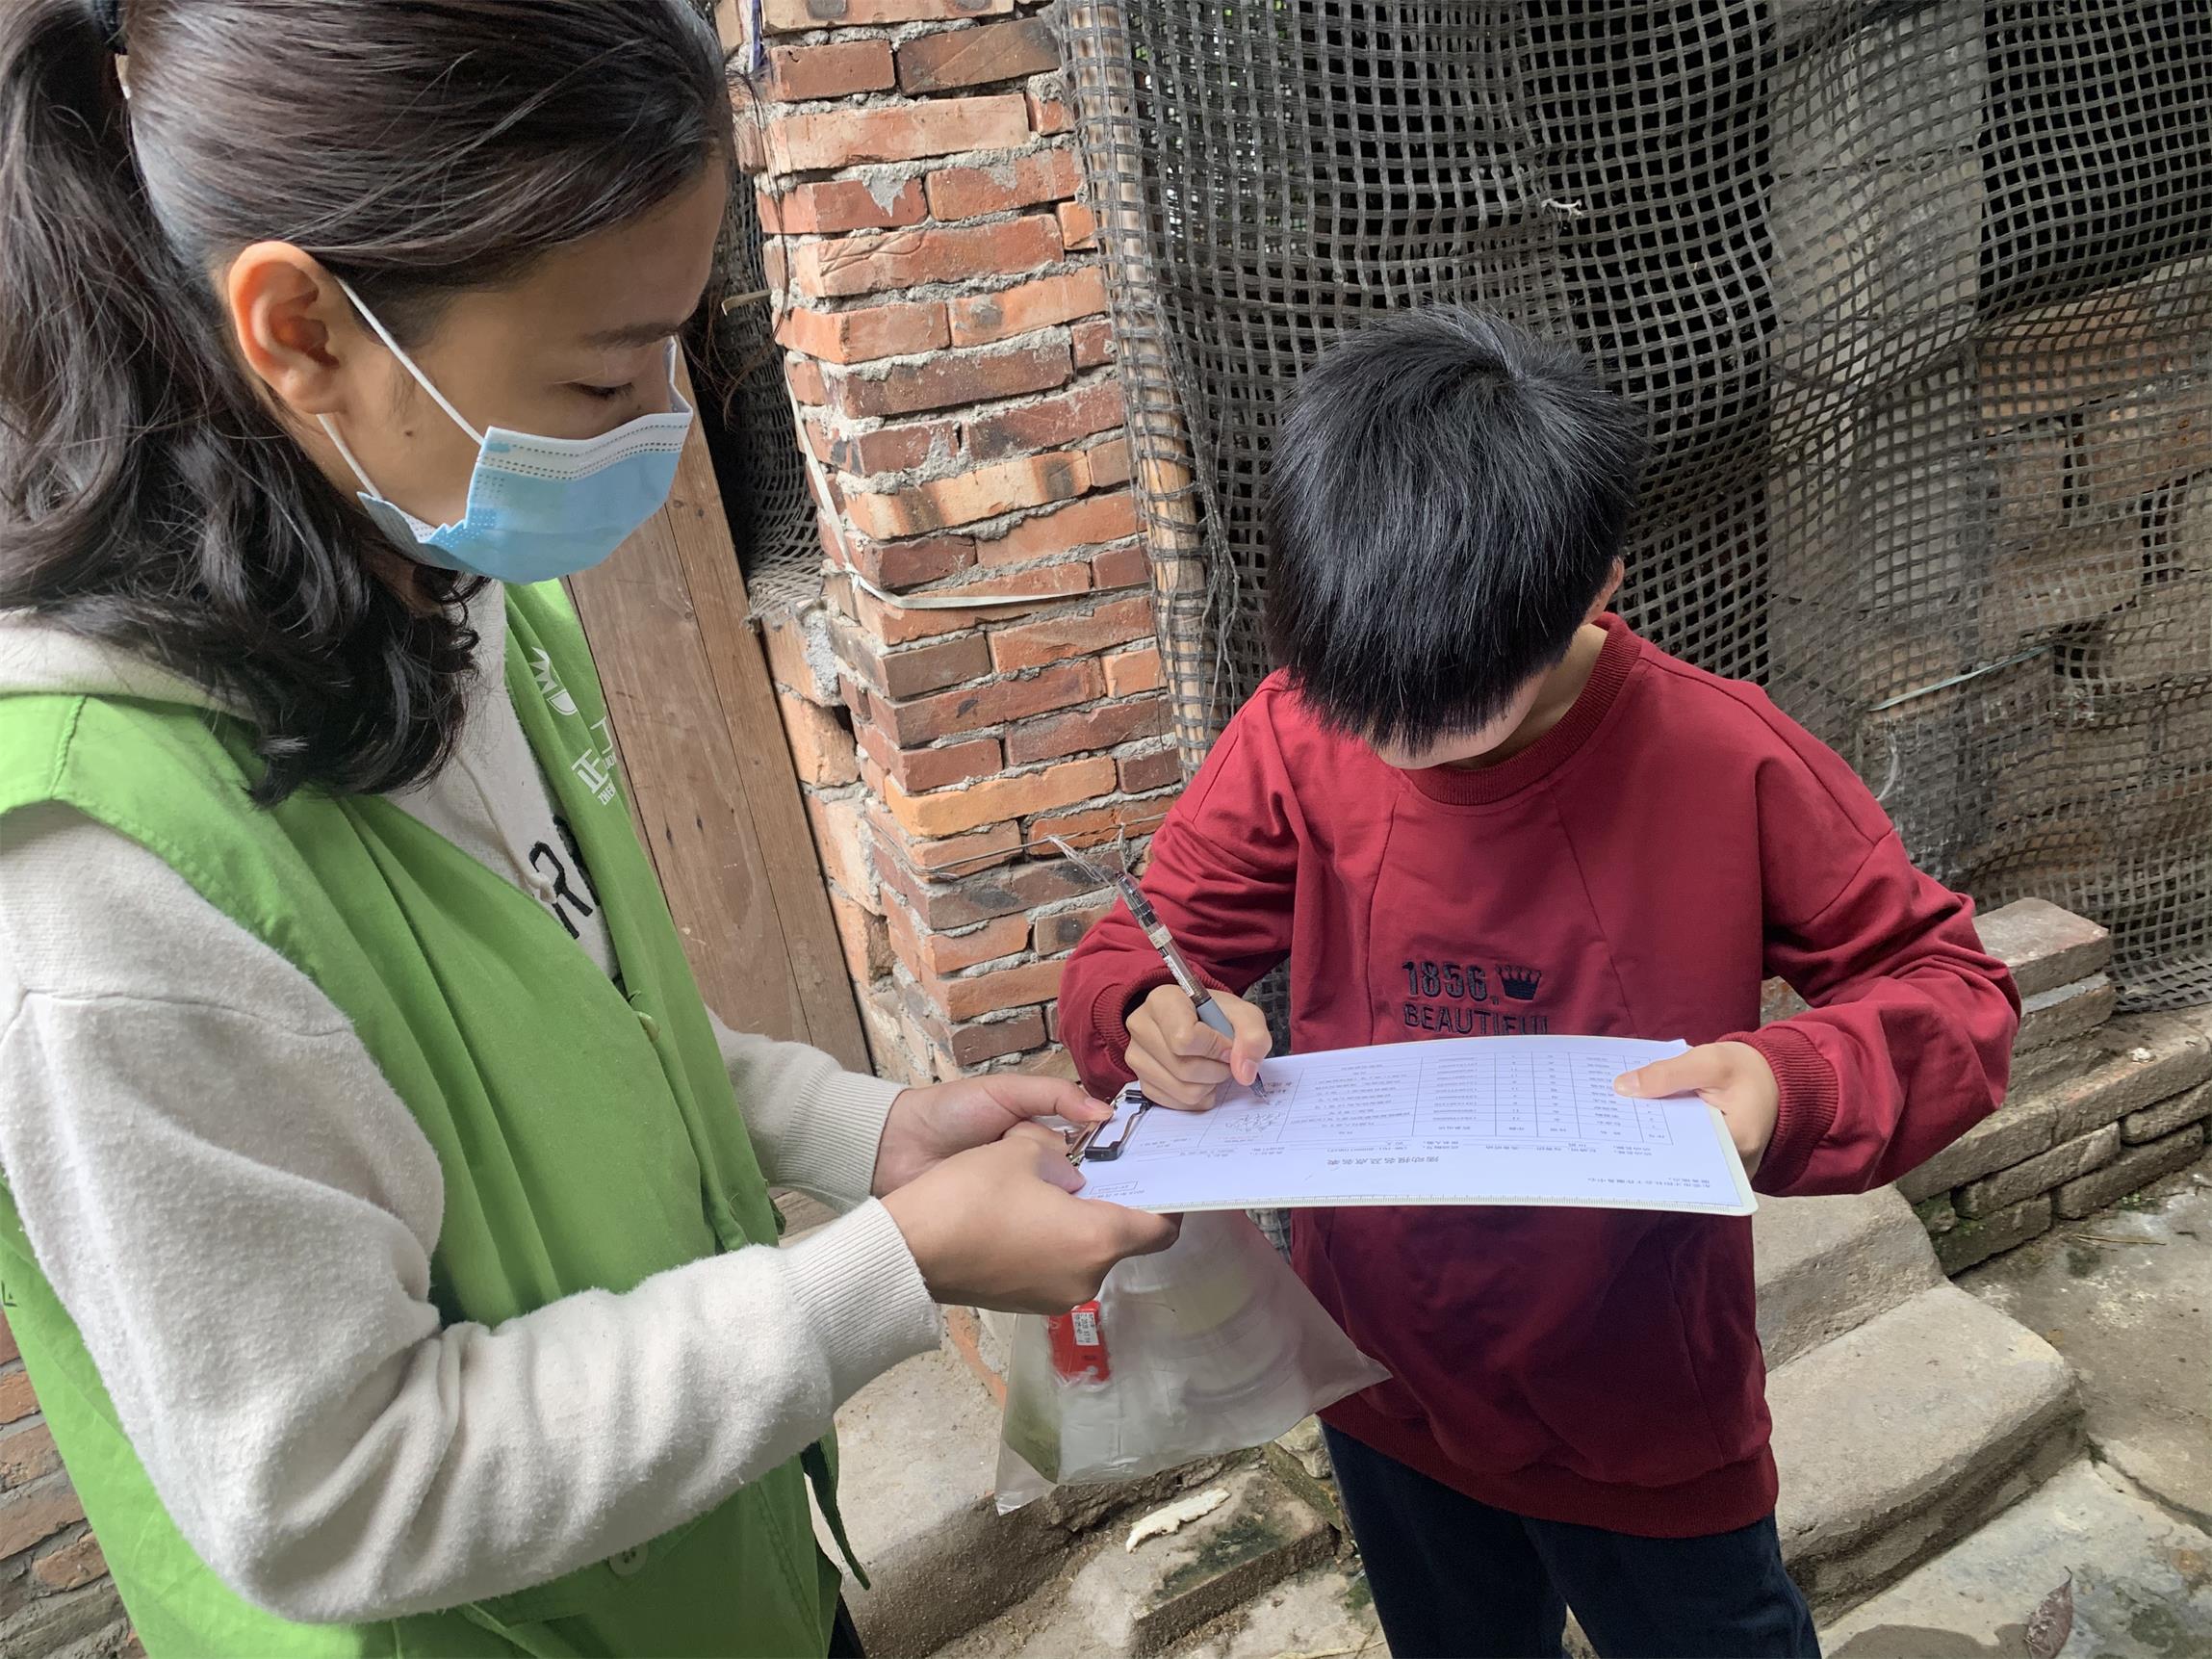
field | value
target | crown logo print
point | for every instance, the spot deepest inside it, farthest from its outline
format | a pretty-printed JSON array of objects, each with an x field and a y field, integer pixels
[
  {"x": 549, "y": 682},
  {"x": 1519, "y": 983}
]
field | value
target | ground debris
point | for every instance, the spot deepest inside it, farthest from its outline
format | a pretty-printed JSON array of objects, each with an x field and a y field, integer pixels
[
  {"x": 2052, "y": 1622},
  {"x": 1174, "y": 1517}
]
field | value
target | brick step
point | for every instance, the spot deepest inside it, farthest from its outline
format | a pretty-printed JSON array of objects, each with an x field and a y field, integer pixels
[
  {"x": 2072, "y": 1139},
  {"x": 1827, "y": 1265},
  {"x": 1901, "y": 1436}
]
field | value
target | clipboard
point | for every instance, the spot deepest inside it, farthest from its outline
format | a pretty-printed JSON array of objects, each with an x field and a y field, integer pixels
[
  {"x": 1521, "y": 1120},
  {"x": 1086, "y": 1149}
]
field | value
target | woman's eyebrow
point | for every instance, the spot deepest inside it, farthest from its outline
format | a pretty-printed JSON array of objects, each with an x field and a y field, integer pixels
[{"x": 636, "y": 333}]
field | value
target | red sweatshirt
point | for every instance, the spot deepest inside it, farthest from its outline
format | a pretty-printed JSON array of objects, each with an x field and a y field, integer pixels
[{"x": 1633, "y": 873}]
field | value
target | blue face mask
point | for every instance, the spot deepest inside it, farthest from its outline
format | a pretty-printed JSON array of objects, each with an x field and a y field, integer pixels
[{"x": 539, "y": 508}]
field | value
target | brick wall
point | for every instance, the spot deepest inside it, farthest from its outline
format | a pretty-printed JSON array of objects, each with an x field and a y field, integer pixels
[
  {"x": 56, "y": 1597},
  {"x": 942, "y": 307}
]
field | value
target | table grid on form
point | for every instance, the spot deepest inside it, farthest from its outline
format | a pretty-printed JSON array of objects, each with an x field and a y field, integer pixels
[{"x": 1536, "y": 1098}]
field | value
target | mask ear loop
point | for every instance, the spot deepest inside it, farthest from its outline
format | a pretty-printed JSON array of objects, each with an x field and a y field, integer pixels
[
  {"x": 344, "y": 448},
  {"x": 406, "y": 362}
]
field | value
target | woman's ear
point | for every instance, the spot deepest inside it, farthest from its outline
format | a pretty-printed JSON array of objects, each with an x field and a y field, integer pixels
[
  {"x": 294, "y": 328},
  {"x": 1606, "y": 593}
]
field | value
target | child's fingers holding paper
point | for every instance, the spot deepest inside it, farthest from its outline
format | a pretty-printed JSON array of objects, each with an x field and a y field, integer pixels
[
  {"x": 1690, "y": 1074},
  {"x": 1734, "y": 1078}
]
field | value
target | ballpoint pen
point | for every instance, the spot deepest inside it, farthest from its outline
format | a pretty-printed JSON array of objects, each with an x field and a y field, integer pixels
[
  {"x": 1156, "y": 930},
  {"x": 1084, "y": 1147}
]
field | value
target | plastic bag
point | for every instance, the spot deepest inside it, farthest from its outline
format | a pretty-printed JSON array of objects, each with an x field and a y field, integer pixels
[{"x": 1210, "y": 1346}]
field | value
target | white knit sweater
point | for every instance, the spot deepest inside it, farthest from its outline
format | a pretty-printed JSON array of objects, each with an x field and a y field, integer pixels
[{"x": 240, "y": 1215}]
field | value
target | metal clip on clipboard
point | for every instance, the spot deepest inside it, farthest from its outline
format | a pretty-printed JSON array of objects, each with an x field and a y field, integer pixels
[{"x": 1085, "y": 1148}]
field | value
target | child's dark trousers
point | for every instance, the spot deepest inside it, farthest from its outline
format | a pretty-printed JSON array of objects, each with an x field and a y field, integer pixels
[{"x": 1456, "y": 1579}]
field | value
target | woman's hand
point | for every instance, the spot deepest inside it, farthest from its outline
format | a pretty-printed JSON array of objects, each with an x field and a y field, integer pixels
[
  {"x": 1734, "y": 1076},
  {"x": 1000, "y": 1227},
  {"x": 928, "y": 1125}
]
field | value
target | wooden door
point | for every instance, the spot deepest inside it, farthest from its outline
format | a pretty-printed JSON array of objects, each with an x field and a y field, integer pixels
[{"x": 709, "y": 772}]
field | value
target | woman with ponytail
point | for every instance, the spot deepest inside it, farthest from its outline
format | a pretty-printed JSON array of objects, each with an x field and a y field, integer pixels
[{"x": 385, "y": 1221}]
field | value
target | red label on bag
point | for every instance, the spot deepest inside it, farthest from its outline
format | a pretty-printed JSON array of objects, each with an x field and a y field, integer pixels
[{"x": 1078, "y": 1344}]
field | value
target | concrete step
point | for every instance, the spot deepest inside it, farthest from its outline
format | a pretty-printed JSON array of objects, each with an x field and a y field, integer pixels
[
  {"x": 2142, "y": 1582},
  {"x": 1827, "y": 1265},
  {"x": 2043, "y": 945},
  {"x": 1108, "y": 1601},
  {"x": 1898, "y": 1437},
  {"x": 919, "y": 1447},
  {"x": 2122, "y": 1296},
  {"x": 1324, "y": 1609}
]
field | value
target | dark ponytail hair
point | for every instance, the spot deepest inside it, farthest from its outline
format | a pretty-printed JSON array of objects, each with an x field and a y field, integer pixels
[{"x": 148, "y": 498}]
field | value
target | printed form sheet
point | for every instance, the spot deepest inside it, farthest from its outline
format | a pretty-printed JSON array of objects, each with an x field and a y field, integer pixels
[{"x": 1461, "y": 1121}]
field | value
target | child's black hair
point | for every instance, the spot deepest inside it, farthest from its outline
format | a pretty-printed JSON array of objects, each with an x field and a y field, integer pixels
[{"x": 1448, "y": 495}]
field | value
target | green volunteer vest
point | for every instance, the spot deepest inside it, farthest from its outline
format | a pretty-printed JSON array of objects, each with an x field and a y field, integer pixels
[{"x": 586, "y": 1129}]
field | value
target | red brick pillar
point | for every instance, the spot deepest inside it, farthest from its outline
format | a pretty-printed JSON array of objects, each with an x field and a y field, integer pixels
[
  {"x": 943, "y": 307},
  {"x": 55, "y": 1593}
]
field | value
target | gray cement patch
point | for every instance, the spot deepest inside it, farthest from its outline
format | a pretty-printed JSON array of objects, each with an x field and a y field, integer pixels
[
  {"x": 2127, "y": 1296},
  {"x": 2142, "y": 1583}
]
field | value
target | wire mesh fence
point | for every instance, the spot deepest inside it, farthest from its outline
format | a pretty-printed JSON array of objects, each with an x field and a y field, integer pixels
[
  {"x": 783, "y": 551},
  {"x": 1918, "y": 297}
]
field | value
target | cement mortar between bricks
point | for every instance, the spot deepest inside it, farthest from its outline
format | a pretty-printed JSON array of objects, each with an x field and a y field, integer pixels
[
  {"x": 835, "y": 424},
  {"x": 990, "y": 728},
  {"x": 854, "y": 266},
  {"x": 1059, "y": 609},
  {"x": 2039, "y": 1174},
  {"x": 916, "y": 167},
  {"x": 826, "y": 33},
  {"x": 992, "y": 528},
  {"x": 1042, "y": 913},
  {"x": 1155, "y": 802},
  {"x": 945, "y": 878},
  {"x": 942, "y": 462},
  {"x": 999, "y": 607},
  {"x": 882, "y": 368},
  {"x": 929, "y": 293},
  {"x": 941, "y": 465},
  {"x": 762, "y": 95},
  {"x": 912, "y": 30},
  {"x": 985, "y": 285},
  {"x": 996, "y": 608}
]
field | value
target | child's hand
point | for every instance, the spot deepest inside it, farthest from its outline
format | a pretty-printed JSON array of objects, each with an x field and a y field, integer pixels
[
  {"x": 1734, "y": 1076},
  {"x": 1182, "y": 1062}
]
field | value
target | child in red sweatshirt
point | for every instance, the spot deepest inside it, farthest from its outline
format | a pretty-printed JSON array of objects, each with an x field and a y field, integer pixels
[{"x": 1469, "y": 803}]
